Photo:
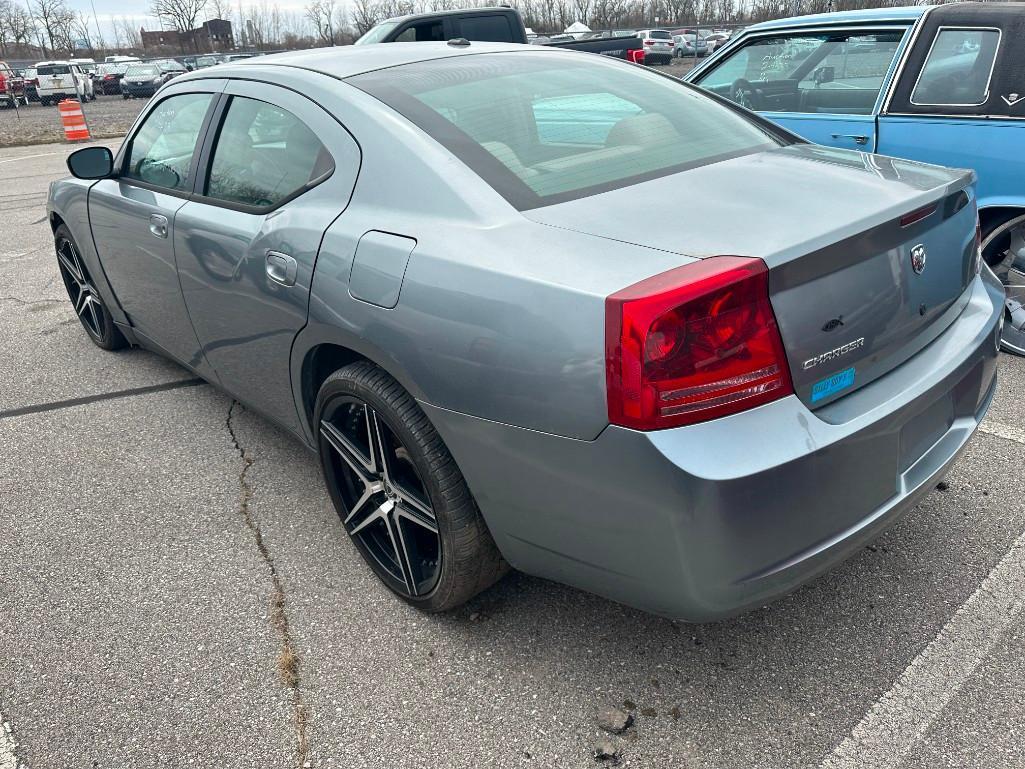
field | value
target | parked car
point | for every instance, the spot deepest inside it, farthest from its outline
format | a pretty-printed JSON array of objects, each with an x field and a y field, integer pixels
[
  {"x": 12, "y": 87},
  {"x": 143, "y": 80},
  {"x": 527, "y": 352},
  {"x": 108, "y": 78},
  {"x": 59, "y": 80},
  {"x": 716, "y": 40},
  {"x": 939, "y": 84},
  {"x": 501, "y": 24},
  {"x": 689, "y": 45},
  {"x": 31, "y": 84},
  {"x": 658, "y": 45}
]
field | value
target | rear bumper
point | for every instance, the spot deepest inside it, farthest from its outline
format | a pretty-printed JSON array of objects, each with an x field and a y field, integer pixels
[{"x": 702, "y": 522}]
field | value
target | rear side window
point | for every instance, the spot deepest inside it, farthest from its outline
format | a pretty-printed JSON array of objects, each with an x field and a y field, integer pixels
[
  {"x": 958, "y": 68},
  {"x": 162, "y": 149},
  {"x": 536, "y": 128},
  {"x": 264, "y": 154},
  {"x": 493, "y": 29}
]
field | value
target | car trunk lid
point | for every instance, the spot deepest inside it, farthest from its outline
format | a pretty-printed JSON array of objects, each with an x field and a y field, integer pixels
[{"x": 838, "y": 231}]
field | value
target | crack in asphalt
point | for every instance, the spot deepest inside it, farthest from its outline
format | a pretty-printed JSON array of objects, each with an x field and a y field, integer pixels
[
  {"x": 31, "y": 302},
  {"x": 288, "y": 659}
]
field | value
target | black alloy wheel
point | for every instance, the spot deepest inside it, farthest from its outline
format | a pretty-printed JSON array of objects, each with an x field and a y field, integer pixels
[
  {"x": 88, "y": 305},
  {"x": 1003, "y": 249},
  {"x": 398, "y": 492}
]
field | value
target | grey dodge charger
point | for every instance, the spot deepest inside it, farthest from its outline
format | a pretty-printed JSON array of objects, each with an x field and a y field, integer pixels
[{"x": 548, "y": 310}]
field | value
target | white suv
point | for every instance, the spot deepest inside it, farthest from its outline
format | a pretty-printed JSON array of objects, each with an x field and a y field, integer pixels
[{"x": 62, "y": 80}]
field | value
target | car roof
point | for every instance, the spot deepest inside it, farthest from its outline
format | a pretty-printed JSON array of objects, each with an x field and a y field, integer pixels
[
  {"x": 349, "y": 60},
  {"x": 450, "y": 12},
  {"x": 899, "y": 13}
]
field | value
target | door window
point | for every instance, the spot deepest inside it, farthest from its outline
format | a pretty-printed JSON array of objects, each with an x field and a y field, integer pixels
[
  {"x": 424, "y": 32},
  {"x": 494, "y": 29},
  {"x": 264, "y": 155},
  {"x": 822, "y": 72},
  {"x": 162, "y": 149},
  {"x": 958, "y": 69}
]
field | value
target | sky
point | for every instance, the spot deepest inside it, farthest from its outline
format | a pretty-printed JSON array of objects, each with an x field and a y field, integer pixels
[{"x": 138, "y": 10}]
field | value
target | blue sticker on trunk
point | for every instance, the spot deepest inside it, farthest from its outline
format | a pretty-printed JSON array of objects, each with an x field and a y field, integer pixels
[{"x": 833, "y": 384}]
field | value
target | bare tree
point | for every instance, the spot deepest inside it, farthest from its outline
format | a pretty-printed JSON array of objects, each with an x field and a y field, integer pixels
[
  {"x": 54, "y": 18},
  {"x": 365, "y": 14},
  {"x": 321, "y": 14},
  {"x": 219, "y": 9},
  {"x": 181, "y": 15}
]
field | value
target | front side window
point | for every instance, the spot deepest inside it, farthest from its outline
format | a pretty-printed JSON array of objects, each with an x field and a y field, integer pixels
[
  {"x": 424, "y": 32},
  {"x": 162, "y": 149},
  {"x": 545, "y": 127},
  {"x": 264, "y": 154},
  {"x": 958, "y": 68},
  {"x": 378, "y": 33},
  {"x": 815, "y": 72}
]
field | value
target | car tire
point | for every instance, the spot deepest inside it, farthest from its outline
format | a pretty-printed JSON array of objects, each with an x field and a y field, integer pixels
[
  {"x": 86, "y": 301},
  {"x": 392, "y": 479}
]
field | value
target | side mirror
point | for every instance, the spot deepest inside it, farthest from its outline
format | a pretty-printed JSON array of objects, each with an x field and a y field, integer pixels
[
  {"x": 824, "y": 75},
  {"x": 91, "y": 163}
]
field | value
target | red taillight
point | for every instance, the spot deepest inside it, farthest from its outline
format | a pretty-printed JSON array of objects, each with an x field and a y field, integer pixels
[
  {"x": 635, "y": 55},
  {"x": 692, "y": 344},
  {"x": 917, "y": 215},
  {"x": 649, "y": 42}
]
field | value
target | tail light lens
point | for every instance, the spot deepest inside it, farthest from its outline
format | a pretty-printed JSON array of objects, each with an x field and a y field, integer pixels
[
  {"x": 695, "y": 343},
  {"x": 635, "y": 55}
]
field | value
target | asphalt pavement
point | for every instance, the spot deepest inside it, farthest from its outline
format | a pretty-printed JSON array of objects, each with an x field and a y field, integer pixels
[{"x": 176, "y": 590}]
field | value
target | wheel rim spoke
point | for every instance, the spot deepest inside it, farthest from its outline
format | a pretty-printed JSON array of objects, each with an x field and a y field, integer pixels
[
  {"x": 69, "y": 258},
  {"x": 81, "y": 301},
  {"x": 378, "y": 514},
  {"x": 380, "y": 496},
  {"x": 347, "y": 452},
  {"x": 401, "y": 553},
  {"x": 368, "y": 493}
]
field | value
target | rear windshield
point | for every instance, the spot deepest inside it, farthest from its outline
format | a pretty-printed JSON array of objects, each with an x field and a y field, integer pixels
[
  {"x": 658, "y": 34},
  {"x": 546, "y": 127},
  {"x": 54, "y": 69},
  {"x": 147, "y": 71}
]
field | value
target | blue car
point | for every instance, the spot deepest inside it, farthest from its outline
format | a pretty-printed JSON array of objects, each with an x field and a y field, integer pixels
[{"x": 939, "y": 84}]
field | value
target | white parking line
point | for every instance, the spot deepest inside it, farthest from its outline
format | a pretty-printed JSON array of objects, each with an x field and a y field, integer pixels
[
  {"x": 901, "y": 717},
  {"x": 27, "y": 157},
  {"x": 7, "y": 758},
  {"x": 1000, "y": 430}
]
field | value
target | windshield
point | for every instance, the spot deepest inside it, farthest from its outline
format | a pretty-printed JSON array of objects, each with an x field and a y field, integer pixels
[
  {"x": 147, "y": 71},
  {"x": 54, "y": 69},
  {"x": 378, "y": 33},
  {"x": 544, "y": 127},
  {"x": 206, "y": 61},
  {"x": 658, "y": 34}
]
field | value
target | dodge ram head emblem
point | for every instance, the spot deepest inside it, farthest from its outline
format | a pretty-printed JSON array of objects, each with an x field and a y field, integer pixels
[{"x": 918, "y": 259}]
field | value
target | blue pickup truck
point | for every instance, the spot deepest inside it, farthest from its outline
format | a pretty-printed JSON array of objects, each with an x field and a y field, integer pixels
[{"x": 941, "y": 84}]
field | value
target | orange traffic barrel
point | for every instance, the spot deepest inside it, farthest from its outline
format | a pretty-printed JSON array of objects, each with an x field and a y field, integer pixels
[{"x": 73, "y": 119}]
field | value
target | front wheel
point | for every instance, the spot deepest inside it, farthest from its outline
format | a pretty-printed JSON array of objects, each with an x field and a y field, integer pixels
[
  {"x": 1003, "y": 249},
  {"x": 91, "y": 311},
  {"x": 399, "y": 493}
]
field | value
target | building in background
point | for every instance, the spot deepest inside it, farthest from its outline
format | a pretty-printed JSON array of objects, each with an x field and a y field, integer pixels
[{"x": 214, "y": 35}]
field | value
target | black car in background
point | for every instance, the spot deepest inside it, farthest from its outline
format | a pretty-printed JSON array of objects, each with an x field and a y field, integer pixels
[
  {"x": 108, "y": 78},
  {"x": 143, "y": 79}
]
